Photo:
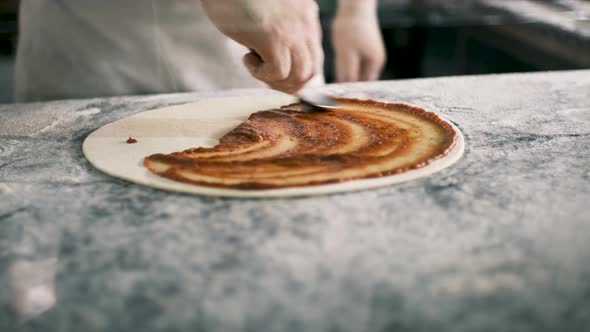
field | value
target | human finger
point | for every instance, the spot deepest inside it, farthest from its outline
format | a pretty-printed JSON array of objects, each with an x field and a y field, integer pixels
[
  {"x": 270, "y": 63},
  {"x": 347, "y": 66},
  {"x": 371, "y": 67}
]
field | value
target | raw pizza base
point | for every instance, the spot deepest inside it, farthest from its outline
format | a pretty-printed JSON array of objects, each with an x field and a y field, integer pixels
[{"x": 202, "y": 123}]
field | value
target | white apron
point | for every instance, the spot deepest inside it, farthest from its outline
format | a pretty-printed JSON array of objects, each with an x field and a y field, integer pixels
[{"x": 96, "y": 48}]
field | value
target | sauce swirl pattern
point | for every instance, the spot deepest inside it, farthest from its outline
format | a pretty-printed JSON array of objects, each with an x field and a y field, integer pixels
[{"x": 293, "y": 146}]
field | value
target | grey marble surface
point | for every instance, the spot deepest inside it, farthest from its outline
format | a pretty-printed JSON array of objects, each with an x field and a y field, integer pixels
[{"x": 498, "y": 242}]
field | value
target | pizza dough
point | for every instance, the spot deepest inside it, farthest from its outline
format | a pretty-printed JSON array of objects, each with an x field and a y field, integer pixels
[{"x": 202, "y": 124}]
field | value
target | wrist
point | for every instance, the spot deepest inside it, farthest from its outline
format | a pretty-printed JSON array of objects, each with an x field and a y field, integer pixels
[{"x": 356, "y": 7}]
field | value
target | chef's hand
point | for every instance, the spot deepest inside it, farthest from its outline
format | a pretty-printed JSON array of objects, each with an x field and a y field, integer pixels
[
  {"x": 284, "y": 36},
  {"x": 357, "y": 41}
]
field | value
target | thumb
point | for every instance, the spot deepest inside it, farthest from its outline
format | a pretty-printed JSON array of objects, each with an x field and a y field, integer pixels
[
  {"x": 269, "y": 65},
  {"x": 253, "y": 62}
]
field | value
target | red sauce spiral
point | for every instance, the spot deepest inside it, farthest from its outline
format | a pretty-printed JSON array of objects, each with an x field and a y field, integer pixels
[{"x": 293, "y": 147}]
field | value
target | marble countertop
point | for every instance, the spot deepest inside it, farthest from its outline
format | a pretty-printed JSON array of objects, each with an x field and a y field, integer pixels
[{"x": 499, "y": 241}]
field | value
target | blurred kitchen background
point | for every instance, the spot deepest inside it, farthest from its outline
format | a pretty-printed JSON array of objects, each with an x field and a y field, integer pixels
[
  {"x": 427, "y": 38},
  {"x": 8, "y": 35}
]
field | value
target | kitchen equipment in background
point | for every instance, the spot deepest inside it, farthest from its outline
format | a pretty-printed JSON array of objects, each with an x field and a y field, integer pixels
[
  {"x": 8, "y": 37},
  {"x": 427, "y": 38},
  {"x": 8, "y": 25}
]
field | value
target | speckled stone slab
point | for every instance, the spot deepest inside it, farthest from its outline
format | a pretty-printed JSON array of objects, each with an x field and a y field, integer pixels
[{"x": 498, "y": 242}]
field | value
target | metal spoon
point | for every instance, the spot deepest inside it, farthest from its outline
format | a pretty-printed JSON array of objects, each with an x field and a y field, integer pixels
[{"x": 317, "y": 99}]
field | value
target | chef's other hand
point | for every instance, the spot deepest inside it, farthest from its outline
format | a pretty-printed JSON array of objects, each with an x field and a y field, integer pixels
[
  {"x": 357, "y": 41},
  {"x": 284, "y": 36}
]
